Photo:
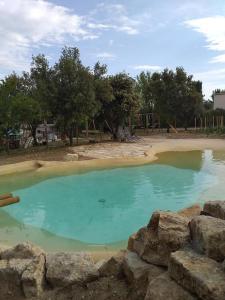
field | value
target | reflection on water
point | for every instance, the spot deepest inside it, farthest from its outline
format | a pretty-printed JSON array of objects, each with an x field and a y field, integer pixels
[{"x": 105, "y": 207}]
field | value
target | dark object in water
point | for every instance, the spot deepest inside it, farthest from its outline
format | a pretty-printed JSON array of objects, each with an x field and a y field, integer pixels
[{"x": 102, "y": 200}]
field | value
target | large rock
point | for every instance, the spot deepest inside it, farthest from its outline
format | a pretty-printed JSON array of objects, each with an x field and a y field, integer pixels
[
  {"x": 22, "y": 271},
  {"x": 33, "y": 278},
  {"x": 139, "y": 273},
  {"x": 69, "y": 268},
  {"x": 10, "y": 278},
  {"x": 215, "y": 209},
  {"x": 198, "y": 274},
  {"x": 166, "y": 232},
  {"x": 112, "y": 266},
  {"x": 190, "y": 212},
  {"x": 21, "y": 251},
  {"x": 208, "y": 236},
  {"x": 165, "y": 288}
]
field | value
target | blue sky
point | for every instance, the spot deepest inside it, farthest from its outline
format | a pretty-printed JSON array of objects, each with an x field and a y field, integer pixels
[{"x": 127, "y": 35}]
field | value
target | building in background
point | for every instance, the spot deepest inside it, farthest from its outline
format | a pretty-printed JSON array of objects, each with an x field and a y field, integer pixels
[{"x": 219, "y": 100}]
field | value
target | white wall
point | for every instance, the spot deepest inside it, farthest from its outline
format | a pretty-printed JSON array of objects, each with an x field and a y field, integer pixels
[{"x": 219, "y": 101}]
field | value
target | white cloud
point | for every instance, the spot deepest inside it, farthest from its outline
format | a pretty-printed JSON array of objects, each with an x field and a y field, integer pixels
[
  {"x": 147, "y": 68},
  {"x": 115, "y": 17},
  {"x": 212, "y": 79},
  {"x": 213, "y": 28},
  {"x": 25, "y": 24},
  {"x": 218, "y": 59},
  {"x": 106, "y": 55}
]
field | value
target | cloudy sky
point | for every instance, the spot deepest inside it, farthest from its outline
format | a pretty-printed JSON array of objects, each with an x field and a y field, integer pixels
[{"x": 127, "y": 35}]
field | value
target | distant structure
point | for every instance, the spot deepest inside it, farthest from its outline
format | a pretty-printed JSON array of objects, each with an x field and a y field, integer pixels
[{"x": 219, "y": 100}]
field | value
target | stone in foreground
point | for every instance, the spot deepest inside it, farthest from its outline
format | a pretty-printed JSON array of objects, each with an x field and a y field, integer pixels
[
  {"x": 165, "y": 288},
  {"x": 208, "y": 236},
  {"x": 64, "y": 269},
  {"x": 112, "y": 266},
  {"x": 33, "y": 278},
  {"x": 139, "y": 273},
  {"x": 24, "y": 250},
  {"x": 198, "y": 274},
  {"x": 215, "y": 209},
  {"x": 166, "y": 232}
]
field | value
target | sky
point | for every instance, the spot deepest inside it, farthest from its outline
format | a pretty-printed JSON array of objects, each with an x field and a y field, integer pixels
[{"x": 127, "y": 35}]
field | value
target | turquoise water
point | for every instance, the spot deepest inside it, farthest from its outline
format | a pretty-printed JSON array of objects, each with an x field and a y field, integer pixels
[{"x": 102, "y": 207}]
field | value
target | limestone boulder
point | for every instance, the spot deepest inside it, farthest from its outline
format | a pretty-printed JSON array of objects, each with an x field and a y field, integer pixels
[
  {"x": 166, "y": 232},
  {"x": 33, "y": 278},
  {"x": 199, "y": 274},
  {"x": 10, "y": 278},
  {"x": 24, "y": 250},
  {"x": 64, "y": 269},
  {"x": 215, "y": 209},
  {"x": 71, "y": 157},
  {"x": 139, "y": 273},
  {"x": 165, "y": 288},
  {"x": 208, "y": 236},
  {"x": 190, "y": 212},
  {"x": 112, "y": 266}
]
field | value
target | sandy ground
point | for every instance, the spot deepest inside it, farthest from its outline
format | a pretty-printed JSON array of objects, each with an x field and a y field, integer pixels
[{"x": 103, "y": 155}]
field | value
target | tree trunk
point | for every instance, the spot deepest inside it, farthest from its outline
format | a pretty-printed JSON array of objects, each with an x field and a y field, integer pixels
[
  {"x": 71, "y": 135},
  {"x": 33, "y": 132},
  {"x": 77, "y": 133}
]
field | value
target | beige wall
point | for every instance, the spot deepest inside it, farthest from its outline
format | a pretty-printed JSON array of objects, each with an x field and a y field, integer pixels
[{"x": 219, "y": 101}]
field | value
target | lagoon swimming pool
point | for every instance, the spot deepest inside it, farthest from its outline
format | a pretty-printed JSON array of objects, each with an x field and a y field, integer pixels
[{"x": 104, "y": 207}]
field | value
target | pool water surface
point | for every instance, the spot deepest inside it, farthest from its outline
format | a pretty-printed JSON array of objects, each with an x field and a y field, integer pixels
[{"x": 106, "y": 206}]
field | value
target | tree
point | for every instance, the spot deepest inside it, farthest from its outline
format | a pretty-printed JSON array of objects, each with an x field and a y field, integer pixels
[
  {"x": 17, "y": 107},
  {"x": 103, "y": 92},
  {"x": 126, "y": 101},
  {"x": 144, "y": 87},
  {"x": 75, "y": 97},
  {"x": 175, "y": 96}
]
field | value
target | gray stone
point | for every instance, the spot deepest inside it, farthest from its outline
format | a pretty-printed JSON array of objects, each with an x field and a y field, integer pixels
[
  {"x": 71, "y": 157},
  {"x": 139, "y": 273},
  {"x": 198, "y": 274},
  {"x": 69, "y": 268},
  {"x": 10, "y": 278},
  {"x": 165, "y": 288},
  {"x": 33, "y": 278},
  {"x": 22, "y": 251},
  {"x": 166, "y": 232},
  {"x": 215, "y": 209},
  {"x": 112, "y": 266},
  {"x": 208, "y": 236}
]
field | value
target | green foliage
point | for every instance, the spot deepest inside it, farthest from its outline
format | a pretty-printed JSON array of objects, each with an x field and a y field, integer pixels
[
  {"x": 69, "y": 94},
  {"x": 75, "y": 96},
  {"x": 126, "y": 101},
  {"x": 175, "y": 96}
]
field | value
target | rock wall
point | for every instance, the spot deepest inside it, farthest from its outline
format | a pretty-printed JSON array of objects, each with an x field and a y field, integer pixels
[{"x": 177, "y": 256}]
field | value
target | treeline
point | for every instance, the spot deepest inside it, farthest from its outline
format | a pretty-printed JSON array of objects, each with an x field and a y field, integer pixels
[{"x": 70, "y": 94}]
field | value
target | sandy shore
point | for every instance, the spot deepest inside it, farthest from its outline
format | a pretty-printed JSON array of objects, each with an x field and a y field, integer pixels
[{"x": 107, "y": 155}]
